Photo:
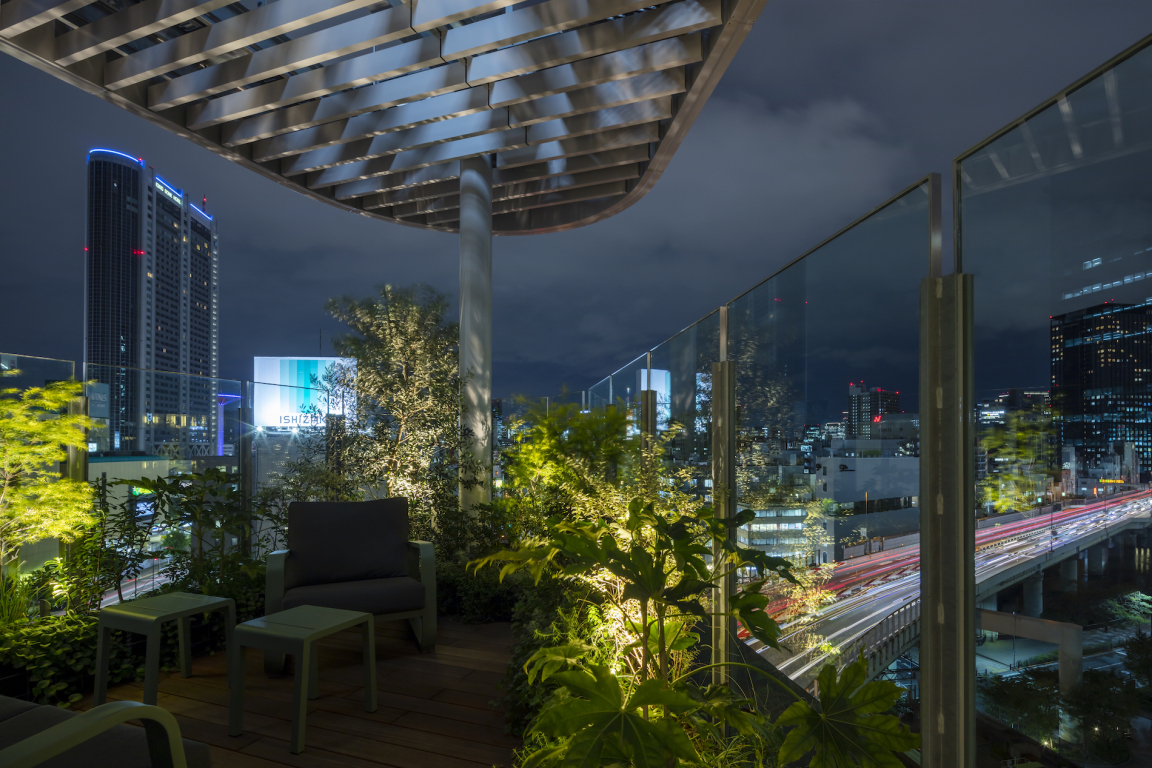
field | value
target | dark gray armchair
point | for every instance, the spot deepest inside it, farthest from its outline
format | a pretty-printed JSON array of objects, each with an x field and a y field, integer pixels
[{"x": 355, "y": 556}]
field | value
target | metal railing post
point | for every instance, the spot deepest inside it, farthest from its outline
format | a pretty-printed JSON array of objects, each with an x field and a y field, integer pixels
[
  {"x": 947, "y": 512},
  {"x": 723, "y": 501}
]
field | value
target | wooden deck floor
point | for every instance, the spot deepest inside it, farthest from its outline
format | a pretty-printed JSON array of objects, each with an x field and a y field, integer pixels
[{"x": 435, "y": 710}]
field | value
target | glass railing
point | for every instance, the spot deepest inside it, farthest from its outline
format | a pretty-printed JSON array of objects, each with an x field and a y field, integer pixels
[
  {"x": 1053, "y": 223},
  {"x": 827, "y": 379},
  {"x": 826, "y": 353},
  {"x": 24, "y": 371}
]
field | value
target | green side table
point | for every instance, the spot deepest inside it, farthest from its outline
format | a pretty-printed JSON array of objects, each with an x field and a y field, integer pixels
[
  {"x": 145, "y": 617},
  {"x": 294, "y": 632}
]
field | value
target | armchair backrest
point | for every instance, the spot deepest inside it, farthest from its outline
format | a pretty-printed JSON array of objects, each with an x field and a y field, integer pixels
[{"x": 334, "y": 541}]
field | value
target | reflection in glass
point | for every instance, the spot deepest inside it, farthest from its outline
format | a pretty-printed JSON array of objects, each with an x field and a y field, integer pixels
[
  {"x": 827, "y": 356},
  {"x": 682, "y": 379},
  {"x": 1056, "y": 227}
]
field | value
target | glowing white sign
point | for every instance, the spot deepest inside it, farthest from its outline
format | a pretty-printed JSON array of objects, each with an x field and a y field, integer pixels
[{"x": 289, "y": 391}]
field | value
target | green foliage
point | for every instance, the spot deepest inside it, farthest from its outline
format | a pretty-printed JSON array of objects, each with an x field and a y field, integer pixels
[
  {"x": 848, "y": 729},
  {"x": 402, "y": 434},
  {"x": 210, "y": 508},
  {"x": 553, "y": 612},
  {"x": 113, "y": 548},
  {"x": 1098, "y": 603},
  {"x": 1030, "y": 701},
  {"x": 476, "y": 599},
  {"x": 1104, "y": 706},
  {"x": 1020, "y": 450},
  {"x": 601, "y": 723},
  {"x": 59, "y": 655},
  {"x": 561, "y": 446},
  {"x": 1138, "y": 661},
  {"x": 35, "y": 434}
]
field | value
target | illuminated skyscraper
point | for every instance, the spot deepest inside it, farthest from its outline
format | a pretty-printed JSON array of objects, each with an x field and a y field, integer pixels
[
  {"x": 150, "y": 308},
  {"x": 866, "y": 407},
  {"x": 1102, "y": 380}
]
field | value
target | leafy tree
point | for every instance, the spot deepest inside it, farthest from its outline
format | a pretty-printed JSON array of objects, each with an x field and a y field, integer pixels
[
  {"x": 1030, "y": 701},
  {"x": 1019, "y": 452},
  {"x": 210, "y": 508},
  {"x": 1104, "y": 705},
  {"x": 402, "y": 436},
  {"x": 35, "y": 501},
  {"x": 1138, "y": 650},
  {"x": 113, "y": 548}
]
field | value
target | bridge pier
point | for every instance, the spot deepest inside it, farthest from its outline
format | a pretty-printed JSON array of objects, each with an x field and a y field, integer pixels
[
  {"x": 1070, "y": 574},
  {"x": 1034, "y": 595},
  {"x": 1142, "y": 538},
  {"x": 1097, "y": 559}
]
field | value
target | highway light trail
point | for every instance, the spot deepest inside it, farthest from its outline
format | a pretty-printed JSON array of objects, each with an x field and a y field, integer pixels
[{"x": 870, "y": 588}]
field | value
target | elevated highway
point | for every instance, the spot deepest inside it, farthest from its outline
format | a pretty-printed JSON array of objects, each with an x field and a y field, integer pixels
[{"x": 877, "y": 606}]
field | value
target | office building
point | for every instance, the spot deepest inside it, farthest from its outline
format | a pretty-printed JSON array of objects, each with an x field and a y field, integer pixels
[
  {"x": 1101, "y": 373},
  {"x": 151, "y": 259},
  {"x": 866, "y": 408}
]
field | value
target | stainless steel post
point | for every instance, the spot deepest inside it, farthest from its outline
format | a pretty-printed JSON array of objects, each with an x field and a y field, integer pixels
[
  {"x": 476, "y": 319},
  {"x": 947, "y": 514},
  {"x": 723, "y": 501}
]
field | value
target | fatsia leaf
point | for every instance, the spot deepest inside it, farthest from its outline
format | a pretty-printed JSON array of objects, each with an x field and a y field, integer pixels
[
  {"x": 601, "y": 726},
  {"x": 747, "y": 606},
  {"x": 845, "y": 731}
]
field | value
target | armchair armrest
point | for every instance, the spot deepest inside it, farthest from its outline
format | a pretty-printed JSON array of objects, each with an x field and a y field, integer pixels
[
  {"x": 274, "y": 581},
  {"x": 164, "y": 744},
  {"x": 422, "y": 566}
]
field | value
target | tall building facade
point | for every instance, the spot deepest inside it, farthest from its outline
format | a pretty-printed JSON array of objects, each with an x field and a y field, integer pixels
[
  {"x": 866, "y": 407},
  {"x": 1102, "y": 381},
  {"x": 151, "y": 309}
]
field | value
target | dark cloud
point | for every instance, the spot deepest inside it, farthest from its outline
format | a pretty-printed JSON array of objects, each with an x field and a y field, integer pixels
[{"x": 829, "y": 108}]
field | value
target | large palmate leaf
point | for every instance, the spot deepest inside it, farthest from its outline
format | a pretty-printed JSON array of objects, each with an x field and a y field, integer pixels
[
  {"x": 847, "y": 731},
  {"x": 747, "y": 606},
  {"x": 603, "y": 727}
]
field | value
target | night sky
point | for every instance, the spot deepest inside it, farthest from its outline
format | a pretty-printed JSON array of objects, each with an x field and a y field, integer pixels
[{"x": 831, "y": 107}]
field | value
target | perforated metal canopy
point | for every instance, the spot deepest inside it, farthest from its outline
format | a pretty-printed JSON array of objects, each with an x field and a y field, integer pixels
[{"x": 371, "y": 107}]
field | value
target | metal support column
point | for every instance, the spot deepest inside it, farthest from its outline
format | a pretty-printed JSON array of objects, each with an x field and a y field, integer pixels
[
  {"x": 245, "y": 465},
  {"x": 476, "y": 319},
  {"x": 947, "y": 512},
  {"x": 723, "y": 501}
]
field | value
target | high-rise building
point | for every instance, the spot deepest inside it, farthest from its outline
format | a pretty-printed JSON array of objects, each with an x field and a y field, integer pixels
[
  {"x": 865, "y": 409},
  {"x": 1102, "y": 381},
  {"x": 151, "y": 309}
]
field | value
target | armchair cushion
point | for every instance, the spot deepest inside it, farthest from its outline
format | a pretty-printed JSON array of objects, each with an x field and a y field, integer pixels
[
  {"x": 375, "y": 596},
  {"x": 346, "y": 541}
]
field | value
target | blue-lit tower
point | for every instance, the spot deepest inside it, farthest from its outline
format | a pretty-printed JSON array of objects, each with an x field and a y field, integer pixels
[{"x": 151, "y": 308}]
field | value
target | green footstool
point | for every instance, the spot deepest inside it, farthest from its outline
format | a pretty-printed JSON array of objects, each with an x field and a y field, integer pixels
[
  {"x": 144, "y": 617},
  {"x": 294, "y": 632}
]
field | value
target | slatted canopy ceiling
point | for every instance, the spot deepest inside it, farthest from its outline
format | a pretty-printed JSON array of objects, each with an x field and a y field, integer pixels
[{"x": 371, "y": 107}]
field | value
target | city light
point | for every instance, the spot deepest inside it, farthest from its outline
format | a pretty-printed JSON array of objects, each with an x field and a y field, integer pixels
[{"x": 139, "y": 160}]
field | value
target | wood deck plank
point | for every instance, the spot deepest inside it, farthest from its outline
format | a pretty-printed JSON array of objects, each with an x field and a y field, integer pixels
[{"x": 436, "y": 709}]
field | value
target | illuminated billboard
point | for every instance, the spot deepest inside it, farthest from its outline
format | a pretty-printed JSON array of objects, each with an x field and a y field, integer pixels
[{"x": 288, "y": 392}]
